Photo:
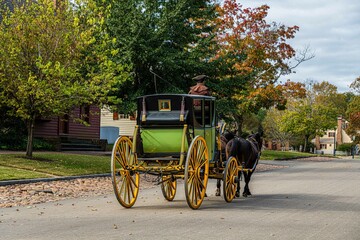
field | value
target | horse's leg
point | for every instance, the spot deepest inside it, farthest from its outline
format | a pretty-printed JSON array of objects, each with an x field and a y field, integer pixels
[
  {"x": 237, "y": 193},
  {"x": 247, "y": 177},
  {"x": 218, "y": 185}
]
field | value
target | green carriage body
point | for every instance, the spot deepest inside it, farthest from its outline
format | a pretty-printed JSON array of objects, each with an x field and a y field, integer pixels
[{"x": 161, "y": 119}]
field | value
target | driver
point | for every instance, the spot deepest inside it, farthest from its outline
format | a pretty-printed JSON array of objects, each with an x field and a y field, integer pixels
[{"x": 200, "y": 88}]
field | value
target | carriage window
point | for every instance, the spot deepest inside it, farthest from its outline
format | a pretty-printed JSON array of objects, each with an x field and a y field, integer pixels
[
  {"x": 207, "y": 112},
  {"x": 198, "y": 111},
  {"x": 165, "y": 105},
  {"x": 204, "y": 110}
]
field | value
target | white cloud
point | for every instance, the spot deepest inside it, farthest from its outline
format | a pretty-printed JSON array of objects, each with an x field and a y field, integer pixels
[{"x": 331, "y": 29}]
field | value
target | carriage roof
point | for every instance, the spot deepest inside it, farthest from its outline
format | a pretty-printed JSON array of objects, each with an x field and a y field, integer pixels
[{"x": 173, "y": 109}]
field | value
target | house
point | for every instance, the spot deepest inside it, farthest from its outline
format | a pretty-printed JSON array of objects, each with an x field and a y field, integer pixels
[
  {"x": 277, "y": 145},
  {"x": 327, "y": 143},
  {"x": 68, "y": 133},
  {"x": 114, "y": 123}
]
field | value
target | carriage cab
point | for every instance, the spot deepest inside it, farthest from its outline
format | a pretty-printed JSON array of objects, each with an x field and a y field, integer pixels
[
  {"x": 175, "y": 138},
  {"x": 166, "y": 124}
]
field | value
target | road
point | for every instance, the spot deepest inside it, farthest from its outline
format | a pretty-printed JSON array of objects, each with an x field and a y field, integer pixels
[{"x": 308, "y": 200}]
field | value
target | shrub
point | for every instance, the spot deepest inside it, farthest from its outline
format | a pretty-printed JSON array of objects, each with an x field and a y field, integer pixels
[{"x": 345, "y": 147}]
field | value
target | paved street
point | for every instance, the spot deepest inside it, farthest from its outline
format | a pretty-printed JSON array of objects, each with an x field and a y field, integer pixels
[{"x": 307, "y": 200}]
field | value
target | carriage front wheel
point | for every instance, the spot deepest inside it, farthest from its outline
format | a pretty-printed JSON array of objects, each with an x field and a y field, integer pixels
[
  {"x": 230, "y": 179},
  {"x": 125, "y": 181},
  {"x": 196, "y": 172}
]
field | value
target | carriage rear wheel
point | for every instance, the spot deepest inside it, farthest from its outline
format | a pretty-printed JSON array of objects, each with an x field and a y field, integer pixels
[
  {"x": 125, "y": 181},
  {"x": 168, "y": 187},
  {"x": 196, "y": 172},
  {"x": 230, "y": 179}
]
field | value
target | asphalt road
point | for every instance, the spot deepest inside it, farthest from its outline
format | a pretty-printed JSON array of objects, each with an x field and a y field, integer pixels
[{"x": 307, "y": 200}]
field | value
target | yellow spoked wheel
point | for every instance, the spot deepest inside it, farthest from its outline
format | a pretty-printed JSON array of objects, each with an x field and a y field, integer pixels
[
  {"x": 168, "y": 187},
  {"x": 125, "y": 181},
  {"x": 230, "y": 179},
  {"x": 196, "y": 172}
]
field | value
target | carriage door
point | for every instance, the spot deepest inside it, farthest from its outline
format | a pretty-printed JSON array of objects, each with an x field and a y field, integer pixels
[{"x": 209, "y": 129}]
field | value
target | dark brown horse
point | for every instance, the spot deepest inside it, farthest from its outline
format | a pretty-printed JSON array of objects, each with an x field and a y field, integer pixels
[{"x": 247, "y": 152}]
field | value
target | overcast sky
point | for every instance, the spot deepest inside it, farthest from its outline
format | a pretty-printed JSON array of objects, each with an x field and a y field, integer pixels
[{"x": 331, "y": 28}]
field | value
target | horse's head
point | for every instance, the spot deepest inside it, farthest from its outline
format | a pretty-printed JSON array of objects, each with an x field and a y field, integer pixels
[
  {"x": 229, "y": 135},
  {"x": 257, "y": 137}
]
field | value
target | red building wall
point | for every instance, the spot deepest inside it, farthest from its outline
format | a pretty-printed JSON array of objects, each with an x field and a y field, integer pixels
[{"x": 56, "y": 127}]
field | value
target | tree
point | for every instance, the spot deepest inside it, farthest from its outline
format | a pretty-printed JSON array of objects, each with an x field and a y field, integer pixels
[
  {"x": 312, "y": 115},
  {"x": 353, "y": 113},
  {"x": 272, "y": 127},
  {"x": 165, "y": 44},
  {"x": 356, "y": 85},
  {"x": 251, "y": 57},
  {"x": 42, "y": 51}
]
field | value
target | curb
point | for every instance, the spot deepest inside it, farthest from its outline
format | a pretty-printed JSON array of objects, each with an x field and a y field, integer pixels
[{"x": 34, "y": 180}]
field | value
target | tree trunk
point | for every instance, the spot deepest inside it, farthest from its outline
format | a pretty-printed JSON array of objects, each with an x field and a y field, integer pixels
[
  {"x": 239, "y": 121},
  {"x": 30, "y": 129},
  {"x": 306, "y": 143}
]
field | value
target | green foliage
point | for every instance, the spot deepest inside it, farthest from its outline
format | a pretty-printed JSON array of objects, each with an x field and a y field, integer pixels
[
  {"x": 165, "y": 43},
  {"x": 345, "y": 147},
  {"x": 272, "y": 128},
  {"x": 315, "y": 114},
  {"x": 42, "y": 144},
  {"x": 12, "y": 131},
  {"x": 353, "y": 112},
  {"x": 53, "y": 58}
]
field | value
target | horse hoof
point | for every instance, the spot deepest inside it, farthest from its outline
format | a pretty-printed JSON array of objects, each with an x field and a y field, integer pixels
[
  {"x": 217, "y": 193},
  {"x": 237, "y": 194},
  {"x": 245, "y": 195}
]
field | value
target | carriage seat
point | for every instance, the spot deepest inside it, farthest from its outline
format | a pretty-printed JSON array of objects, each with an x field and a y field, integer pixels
[{"x": 164, "y": 118}]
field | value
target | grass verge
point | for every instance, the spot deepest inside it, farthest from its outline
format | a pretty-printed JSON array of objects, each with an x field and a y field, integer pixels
[
  {"x": 16, "y": 166},
  {"x": 9, "y": 173},
  {"x": 282, "y": 155}
]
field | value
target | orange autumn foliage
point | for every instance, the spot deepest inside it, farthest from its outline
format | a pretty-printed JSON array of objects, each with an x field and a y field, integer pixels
[{"x": 252, "y": 55}]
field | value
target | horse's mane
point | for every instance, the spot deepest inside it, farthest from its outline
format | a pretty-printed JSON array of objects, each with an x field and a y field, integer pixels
[{"x": 234, "y": 147}]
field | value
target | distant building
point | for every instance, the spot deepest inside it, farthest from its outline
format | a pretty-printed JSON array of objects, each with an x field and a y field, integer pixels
[
  {"x": 277, "y": 145},
  {"x": 70, "y": 128},
  {"x": 124, "y": 122},
  {"x": 327, "y": 143}
]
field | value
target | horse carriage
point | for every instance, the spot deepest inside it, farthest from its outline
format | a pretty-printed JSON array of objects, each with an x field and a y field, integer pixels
[{"x": 176, "y": 137}]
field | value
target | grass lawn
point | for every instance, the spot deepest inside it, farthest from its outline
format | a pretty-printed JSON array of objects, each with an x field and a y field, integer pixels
[
  {"x": 9, "y": 173},
  {"x": 16, "y": 166},
  {"x": 282, "y": 155}
]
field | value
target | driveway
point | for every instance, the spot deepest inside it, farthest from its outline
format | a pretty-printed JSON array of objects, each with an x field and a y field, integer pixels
[{"x": 307, "y": 200}]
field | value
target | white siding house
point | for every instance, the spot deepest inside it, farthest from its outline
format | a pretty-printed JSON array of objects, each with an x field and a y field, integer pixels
[{"x": 124, "y": 122}]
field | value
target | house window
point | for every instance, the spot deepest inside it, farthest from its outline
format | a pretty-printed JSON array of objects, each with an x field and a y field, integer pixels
[
  {"x": 85, "y": 113},
  {"x": 117, "y": 116},
  {"x": 323, "y": 146},
  {"x": 331, "y": 134}
]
